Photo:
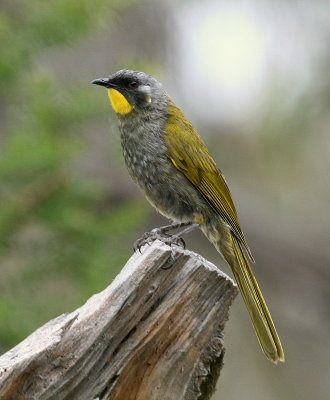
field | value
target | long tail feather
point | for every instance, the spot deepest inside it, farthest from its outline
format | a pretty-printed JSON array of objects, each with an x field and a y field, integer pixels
[{"x": 255, "y": 303}]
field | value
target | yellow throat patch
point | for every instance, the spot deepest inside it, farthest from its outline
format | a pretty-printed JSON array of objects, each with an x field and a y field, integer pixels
[{"x": 119, "y": 102}]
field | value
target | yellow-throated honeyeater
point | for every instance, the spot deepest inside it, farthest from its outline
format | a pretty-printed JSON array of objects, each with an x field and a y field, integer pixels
[{"x": 167, "y": 158}]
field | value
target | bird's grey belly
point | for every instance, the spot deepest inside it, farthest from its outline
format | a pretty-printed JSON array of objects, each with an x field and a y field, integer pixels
[{"x": 166, "y": 188}]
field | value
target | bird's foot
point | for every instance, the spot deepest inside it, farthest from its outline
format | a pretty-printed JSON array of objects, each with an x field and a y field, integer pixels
[{"x": 158, "y": 234}]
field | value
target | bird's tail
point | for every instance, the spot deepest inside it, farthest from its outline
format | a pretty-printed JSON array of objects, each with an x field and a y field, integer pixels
[
  {"x": 262, "y": 321},
  {"x": 255, "y": 303}
]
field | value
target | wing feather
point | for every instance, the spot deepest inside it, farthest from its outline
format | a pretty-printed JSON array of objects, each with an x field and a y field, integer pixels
[{"x": 191, "y": 157}]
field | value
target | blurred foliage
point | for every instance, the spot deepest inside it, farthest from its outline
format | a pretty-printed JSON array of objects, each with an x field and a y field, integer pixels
[
  {"x": 60, "y": 231},
  {"x": 27, "y": 27}
]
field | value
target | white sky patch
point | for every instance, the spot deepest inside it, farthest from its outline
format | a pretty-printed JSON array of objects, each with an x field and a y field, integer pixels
[
  {"x": 233, "y": 42},
  {"x": 229, "y": 57}
]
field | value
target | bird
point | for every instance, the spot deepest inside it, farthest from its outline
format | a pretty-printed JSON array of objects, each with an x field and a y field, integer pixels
[{"x": 170, "y": 162}]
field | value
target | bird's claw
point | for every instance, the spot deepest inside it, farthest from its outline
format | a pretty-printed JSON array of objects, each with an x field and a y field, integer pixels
[{"x": 149, "y": 237}]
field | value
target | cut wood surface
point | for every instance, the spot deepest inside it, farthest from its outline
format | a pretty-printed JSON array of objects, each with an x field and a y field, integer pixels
[{"x": 156, "y": 333}]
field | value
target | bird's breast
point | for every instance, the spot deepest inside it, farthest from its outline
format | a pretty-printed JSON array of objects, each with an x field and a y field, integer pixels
[
  {"x": 167, "y": 189},
  {"x": 144, "y": 150}
]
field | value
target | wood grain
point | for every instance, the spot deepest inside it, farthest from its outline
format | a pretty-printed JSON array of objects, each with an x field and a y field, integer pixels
[{"x": 156, "y": 333}]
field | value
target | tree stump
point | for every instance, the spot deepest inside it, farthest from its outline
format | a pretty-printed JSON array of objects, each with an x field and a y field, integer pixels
[{"x": 156, "y": 333}]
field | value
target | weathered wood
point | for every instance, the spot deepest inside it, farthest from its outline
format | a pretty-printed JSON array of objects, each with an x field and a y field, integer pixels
[{"x": 155, "y": 333}]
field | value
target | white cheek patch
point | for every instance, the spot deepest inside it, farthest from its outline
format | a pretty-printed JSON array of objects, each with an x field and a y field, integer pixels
[{"x": 147, "y": 92}]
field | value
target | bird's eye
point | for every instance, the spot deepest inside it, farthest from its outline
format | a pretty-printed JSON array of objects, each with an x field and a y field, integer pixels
[{"x": 133, "y": 84}]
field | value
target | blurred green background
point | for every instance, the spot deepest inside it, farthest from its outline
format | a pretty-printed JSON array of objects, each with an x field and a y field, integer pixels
[{"x": 254, "y": 78}]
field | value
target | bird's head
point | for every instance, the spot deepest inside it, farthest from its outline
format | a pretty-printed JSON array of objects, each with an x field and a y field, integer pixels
[{"x": 132, "y": 90}]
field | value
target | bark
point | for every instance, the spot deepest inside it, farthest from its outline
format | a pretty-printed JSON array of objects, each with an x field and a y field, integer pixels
[{"x": 156, "y": 332}]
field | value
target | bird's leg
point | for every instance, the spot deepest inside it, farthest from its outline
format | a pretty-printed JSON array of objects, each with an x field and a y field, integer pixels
[
  {"x": 161, "y": 234},
  {"x": 191, "y": 227},
  {"x": 166, "y": 228}
]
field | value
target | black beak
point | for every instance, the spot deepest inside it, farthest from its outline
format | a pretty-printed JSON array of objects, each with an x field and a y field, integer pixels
[{"x": 102, "y": 82}]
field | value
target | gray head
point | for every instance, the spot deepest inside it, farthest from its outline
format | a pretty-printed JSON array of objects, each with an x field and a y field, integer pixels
[{"x": 140, "y": 91}]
